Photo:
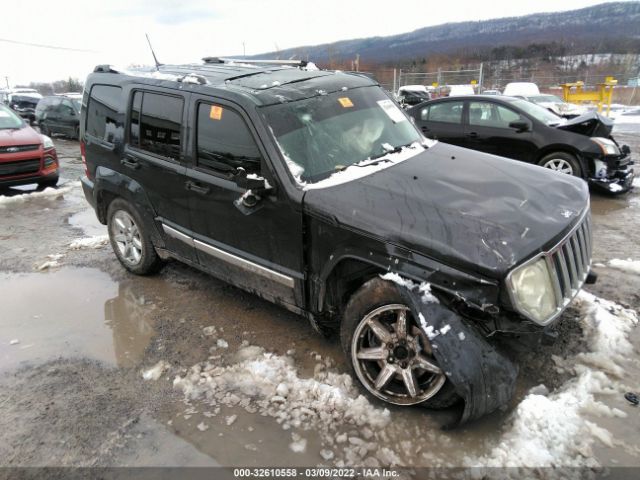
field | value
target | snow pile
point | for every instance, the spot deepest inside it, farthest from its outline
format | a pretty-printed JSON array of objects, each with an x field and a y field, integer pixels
[
  {"x": 96, "y": 241},
  {"x": 52, "y": 262},
  {"x": 48, "y": 193},
  {"x": 628, "y": 265},
  {"x": 155, "y": 372},
  {"x": 552, "y": 430},
  {"x": 269, "y": 384}
]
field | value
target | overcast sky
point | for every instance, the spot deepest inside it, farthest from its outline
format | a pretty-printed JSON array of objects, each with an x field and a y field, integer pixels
[{"x": 112, "y": 31}]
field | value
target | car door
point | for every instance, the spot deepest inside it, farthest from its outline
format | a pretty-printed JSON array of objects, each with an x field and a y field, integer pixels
[
  {"x": 154, "y": 157},
  {"x": 67, "y": 118},
  {"x": 442, "y": 121},
  {"x": 256, "y": 247},
  {"x": 51, "y": 117},
  {"x": 488, "y": 129}
]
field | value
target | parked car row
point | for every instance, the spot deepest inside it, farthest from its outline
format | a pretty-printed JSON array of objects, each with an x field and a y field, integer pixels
[{"x": 54, "y": 114}]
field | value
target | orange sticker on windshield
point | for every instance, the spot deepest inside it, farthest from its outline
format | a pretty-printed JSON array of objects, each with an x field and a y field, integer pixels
[
  {"x": 216, "y": 112},
  {"x": 345, "y": 102}
]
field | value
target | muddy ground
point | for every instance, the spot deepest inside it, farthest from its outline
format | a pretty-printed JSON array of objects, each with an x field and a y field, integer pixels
[{"x": 77, "y": 331}]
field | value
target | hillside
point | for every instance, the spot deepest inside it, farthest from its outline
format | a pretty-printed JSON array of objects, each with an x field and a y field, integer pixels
[{"x": 609, "y": 27}]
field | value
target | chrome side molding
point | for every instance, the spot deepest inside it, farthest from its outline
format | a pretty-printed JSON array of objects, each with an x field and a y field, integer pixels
[{"x": 230, "y": 258}]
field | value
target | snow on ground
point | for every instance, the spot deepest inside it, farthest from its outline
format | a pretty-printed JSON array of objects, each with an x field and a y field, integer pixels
[
  {"x": 269, "y": 384},
  {"x": 547, "y": 430},
  {"x": 50, "y": 193},
  {"x": 155, "y": 372},
  {"x": 96, "y": 241},
  {"x": 628, "y": 265},
  {"x": 557, "y": 428}
]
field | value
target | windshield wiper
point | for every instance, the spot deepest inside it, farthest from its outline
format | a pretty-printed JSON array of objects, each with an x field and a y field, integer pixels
[{"x": 381, "y": 157}]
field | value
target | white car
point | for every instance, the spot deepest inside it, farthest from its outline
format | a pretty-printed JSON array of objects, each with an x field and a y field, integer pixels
[{"x": 556, "y": 105}]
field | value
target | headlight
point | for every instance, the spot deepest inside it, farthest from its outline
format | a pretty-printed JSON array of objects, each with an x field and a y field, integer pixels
[
  {"x": 47, "y": 142},
  {"x": 607, "y": 145},
  {"x": 532, "y": 291}
]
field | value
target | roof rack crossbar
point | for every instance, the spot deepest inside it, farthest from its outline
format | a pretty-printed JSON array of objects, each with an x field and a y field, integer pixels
[{"x": 296, "y": 63}]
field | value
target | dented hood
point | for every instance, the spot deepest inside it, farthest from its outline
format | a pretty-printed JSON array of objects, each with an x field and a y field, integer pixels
[
  {"x": 591, "y": 124},
  {"x": 480, "y": 212}
]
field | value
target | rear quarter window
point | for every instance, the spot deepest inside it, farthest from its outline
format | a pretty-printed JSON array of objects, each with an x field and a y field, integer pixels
[
  {"x": 445, "y": 112},
  {"x": 105, "y": 120}
]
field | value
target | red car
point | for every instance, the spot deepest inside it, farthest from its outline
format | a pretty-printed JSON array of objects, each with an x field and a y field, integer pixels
[{"x": 25, "y": 155}]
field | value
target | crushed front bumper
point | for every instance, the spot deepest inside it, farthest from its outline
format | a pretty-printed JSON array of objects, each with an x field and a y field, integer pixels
[
  {"x": 619, "y": 175},
  {"x": 482, "y": 375}
]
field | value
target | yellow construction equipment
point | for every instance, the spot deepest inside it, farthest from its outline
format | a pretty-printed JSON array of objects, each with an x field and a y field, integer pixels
[{"x": 601, "y": 96}]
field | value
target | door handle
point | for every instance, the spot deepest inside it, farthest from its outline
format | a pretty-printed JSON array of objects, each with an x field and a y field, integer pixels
[
  {"x": 130, "y": 162},
  {"x": 194, "y": 187},
  {"x": 425, "y": 129},
  {"x": 472, "y": 134}
]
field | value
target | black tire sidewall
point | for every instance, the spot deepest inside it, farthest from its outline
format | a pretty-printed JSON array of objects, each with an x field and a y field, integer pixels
[
  {"x": 150, "y": 262},
  {"x": 373, "y": 294},
  {"x": 571, "y": 159}
]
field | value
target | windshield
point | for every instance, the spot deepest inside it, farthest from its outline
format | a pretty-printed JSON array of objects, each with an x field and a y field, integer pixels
[
  {"x": 77, "y": 102},
  {"x": 328, "y": 133},
  {"x": 8, "y": 119},
  {"x": 539, "y": 113},
  {"x": 545, "y": 99}
]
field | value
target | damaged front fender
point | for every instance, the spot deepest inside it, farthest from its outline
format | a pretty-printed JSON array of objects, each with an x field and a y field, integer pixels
[{"x": 483, "y": 377}]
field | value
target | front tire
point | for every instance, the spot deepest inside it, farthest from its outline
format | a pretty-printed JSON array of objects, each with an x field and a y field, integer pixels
[
  {"x": 388, "y": 352},
  {"x": 562, "y": 162},
  {"x": 129, "y": 239},
  {"x": 44, "y": 130}
]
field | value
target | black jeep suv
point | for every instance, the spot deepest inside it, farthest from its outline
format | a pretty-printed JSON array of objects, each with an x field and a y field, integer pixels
[{"x": 314, "y": 190}]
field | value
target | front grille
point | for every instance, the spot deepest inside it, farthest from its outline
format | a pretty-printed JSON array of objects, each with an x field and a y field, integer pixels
[
  {"x": 569, "y": 262},
  {"x": 19, "y": 148},
  {"x": 20, "y": 167}
]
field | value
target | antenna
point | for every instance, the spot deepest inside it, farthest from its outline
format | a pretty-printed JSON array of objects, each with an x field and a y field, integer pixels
[{"x": 155, "y": 59}]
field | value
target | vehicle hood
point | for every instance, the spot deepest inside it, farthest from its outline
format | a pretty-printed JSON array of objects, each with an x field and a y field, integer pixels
[
  {"x": 563, "y": 108},
  {"x": 19, "y": 136},
  {"x": 479, "y": 212},
  {"x": 591, "y": 124}
]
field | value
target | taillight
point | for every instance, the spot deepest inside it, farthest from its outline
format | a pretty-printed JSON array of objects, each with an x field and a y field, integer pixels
[{"x": 84, "y": 160}]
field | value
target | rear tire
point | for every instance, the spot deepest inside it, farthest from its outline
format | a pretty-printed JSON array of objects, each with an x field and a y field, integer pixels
[
  {"x": 562, "y": 162},
  {"x": 379, "y": 302},
  {"x": 130, "y": 240}
]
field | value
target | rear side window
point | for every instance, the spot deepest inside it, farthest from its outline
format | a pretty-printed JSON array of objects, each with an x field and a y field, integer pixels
[
  {"x": 488, "y": 114},
  {"x": 104, "y": 120},
  {"x": 224, "y": 141},
  {"x": 156, "y": 123},
  {"x": 445, "y": 112}
]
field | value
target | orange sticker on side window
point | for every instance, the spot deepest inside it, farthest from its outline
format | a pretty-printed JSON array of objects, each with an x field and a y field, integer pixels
[
  {"x": 216, "y": 112},
  {"x": 345, "y": 102}
]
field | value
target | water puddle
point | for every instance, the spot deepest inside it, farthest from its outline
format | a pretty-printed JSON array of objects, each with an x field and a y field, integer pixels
[
  {"x": 87, "y": 221},
  {"x": 72, "y": 312}
]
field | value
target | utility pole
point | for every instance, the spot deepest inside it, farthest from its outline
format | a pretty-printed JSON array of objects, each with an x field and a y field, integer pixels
[
  {"x": 244, "y": 51},
  {"x": 6, "y": 79}
]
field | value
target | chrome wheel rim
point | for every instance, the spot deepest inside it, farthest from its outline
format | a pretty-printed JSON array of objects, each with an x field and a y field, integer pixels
[
  {"x": 559, "y": 165},
  {"x": 126, "y": 237},
  {"x": 393, "y": 359}
]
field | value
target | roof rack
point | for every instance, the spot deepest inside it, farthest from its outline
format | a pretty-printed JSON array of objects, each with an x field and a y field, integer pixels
[{"x": 294, "y": 63}]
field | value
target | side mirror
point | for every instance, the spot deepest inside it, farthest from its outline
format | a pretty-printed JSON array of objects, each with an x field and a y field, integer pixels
[
  {"x": 251, "y": 181},
  {"x": 520, "y": 126}
]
